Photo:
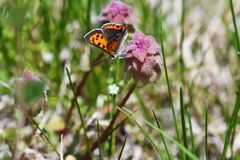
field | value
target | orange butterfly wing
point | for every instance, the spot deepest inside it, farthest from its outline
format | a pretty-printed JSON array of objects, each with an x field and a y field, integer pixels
[
  {"x": 113, "y": 26},
  {"x": 108, "y": 38},
  {"x": 96, "y": 38},
  {"x": 113, "y": 46}
]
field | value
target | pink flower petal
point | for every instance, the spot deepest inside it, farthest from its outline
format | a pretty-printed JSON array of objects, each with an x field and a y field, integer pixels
[
  {"x": 120, "y": 13},
  {"x": 27, "y": 75},
  {"x": 145, "y": 62},
  {"x": 139, "y": 55}
]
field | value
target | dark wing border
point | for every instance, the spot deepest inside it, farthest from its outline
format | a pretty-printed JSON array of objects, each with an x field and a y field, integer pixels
[{"x": 87, "y": 38}]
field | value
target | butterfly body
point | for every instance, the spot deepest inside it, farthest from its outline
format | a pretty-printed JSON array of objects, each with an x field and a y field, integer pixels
[{"x": 109, "y": 38}]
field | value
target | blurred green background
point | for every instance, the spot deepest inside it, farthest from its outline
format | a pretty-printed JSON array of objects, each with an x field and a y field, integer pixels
[{"x": 46, "y": 36}]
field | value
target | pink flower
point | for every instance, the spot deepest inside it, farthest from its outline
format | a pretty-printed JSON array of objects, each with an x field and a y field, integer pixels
[
  {"x": 30, "y": 94},
  {"x": 118, "y": 12},
  {"x": 27, "y": 75},
  {"x": 143, "y": 59}
]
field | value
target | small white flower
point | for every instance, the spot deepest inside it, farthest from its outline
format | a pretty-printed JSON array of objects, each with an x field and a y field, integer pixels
[
  {"x": 73, "y": 27},
  {"x": 65, "y": 54},
  {"x": 113, "y": 89},
  {"x": 76, "y": 25},
  {"x": 69, "y": 28},
  {"x": 74, "y": 44},
  {"x": 100, "y": 100},
  {"x": 47, "y": 57},
  {"x": 85, "y": 60}
]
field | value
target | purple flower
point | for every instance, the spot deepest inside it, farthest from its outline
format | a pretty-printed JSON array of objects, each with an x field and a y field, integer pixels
[
  {"x": 29, "y": 94},
  {"x": 118, "y": 12},
  {"x": 28, "y": 76},
  {"x": 143, "y": 59}
]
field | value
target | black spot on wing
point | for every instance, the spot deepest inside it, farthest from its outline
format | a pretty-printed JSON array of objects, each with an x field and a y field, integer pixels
[{"x": 92, "y": 32}]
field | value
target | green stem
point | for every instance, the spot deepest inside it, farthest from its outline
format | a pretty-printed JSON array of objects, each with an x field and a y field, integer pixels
[
  {"x": 168, "y": 84},
  {"x": 183, "y": 122},
  {"x": 233, "y": 120},
  {"x": 79, "y": 111},
  {"x": 117, "y": 70},
  {"x": 191, "y": 131},
  {"x": 164, "y": 142},
  {"x": 235, "y": 27},
  {"x": 206, "y": 132},
  {"x": 88, "y": 15},
  {"x": 143, "y": 108},
  {"x": 182, "y": 69},
  {"x": 120, "y": 155},
  {"x": 113, "y": 134},
  {"x": 46, "y": 137},
  {"x": 135, "y": 118},
  {"x": 232, "y": 124},
  {"x": 109, "y": 129},
  {"x": 99, "y": 143}
]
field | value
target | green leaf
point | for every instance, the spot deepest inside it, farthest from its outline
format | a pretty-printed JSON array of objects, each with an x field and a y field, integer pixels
[
  {"x": 132, "y": 117},
  {"x": 33, "y": 90}
]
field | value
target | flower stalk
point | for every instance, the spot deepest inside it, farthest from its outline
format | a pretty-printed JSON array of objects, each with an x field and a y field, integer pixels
[
  {"x": 79, "y": 87},
  {"x": 106, "y": 133}
]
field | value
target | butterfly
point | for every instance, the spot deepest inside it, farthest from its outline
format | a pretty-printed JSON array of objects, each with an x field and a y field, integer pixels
[{"x": 109, "y": 38}]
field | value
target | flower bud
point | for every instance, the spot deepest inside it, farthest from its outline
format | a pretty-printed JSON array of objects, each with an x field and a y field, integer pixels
[
  {"x": 30, "y": 94},
  {"x": 118, "y": 12}
]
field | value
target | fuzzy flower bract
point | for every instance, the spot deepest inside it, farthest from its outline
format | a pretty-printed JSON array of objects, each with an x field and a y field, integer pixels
[
  {"x": 118, "y": 12},
  {"x": 30, "y": 94},
  {"x": 143, "y": 60}
]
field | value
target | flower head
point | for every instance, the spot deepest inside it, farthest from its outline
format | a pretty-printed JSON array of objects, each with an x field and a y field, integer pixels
[
  {"x": 47, "y": 57},
  {"x": 113, "y": 89},
  {"x": 117, "y": 12},
  {"x": 143, "y": 59},
  {"x": 30, "y": 93}
]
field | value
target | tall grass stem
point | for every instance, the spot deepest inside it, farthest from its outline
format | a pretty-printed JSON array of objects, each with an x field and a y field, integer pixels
[
  {"x": 168, "y": 84},
  {"x": 182, "y": 69},
  {"x": 233, "y": 120},
  {"x": 164, "y": 142},
  {"x": 184, "y": 132},
  {"x": 46, "y": 137},
  {"x": 79, "y": 111},
  {"x": 206, "y": 132},
  {"x": 191, "y": 131}
]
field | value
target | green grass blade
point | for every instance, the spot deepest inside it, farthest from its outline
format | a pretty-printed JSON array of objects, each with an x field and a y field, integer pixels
[
  {"x": 78, "y": 108},
  {"x": 46, "y": 137},
  {"x": 233, "y": 119},
  {"x": 168, "y": 84},
  {"x": 191, "y": 131},
  {"x": 143, "y": 108},
  {"x": 206, "y": 132},
  {"x": 112, "y": 137},
  {"x": 99, "y": 143},
  {"x": 235, "y": 26},
  {"x": 132, "y": 117},
  {"x": 120, "y": 155},
  {"x": 232, "y": 124},
  {"x": 88, "y": 16},
  {"x": 158, "y": 150},
  {"x": 184, "y": 132},
  {"x": 182, "y": 69},
  {"x": 164, "y": 142}
]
